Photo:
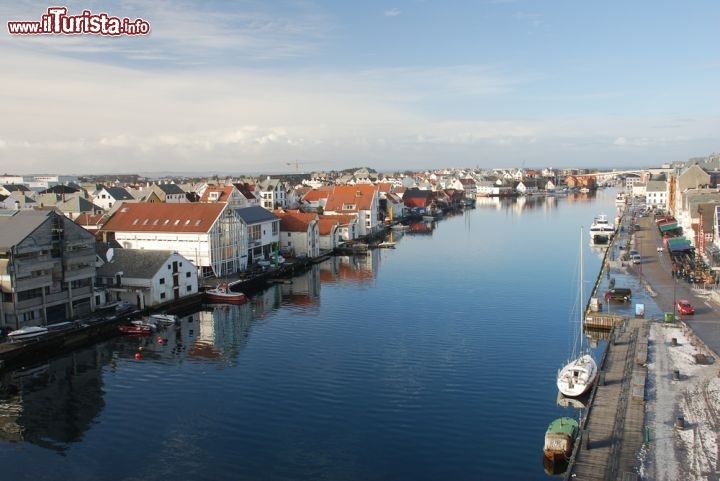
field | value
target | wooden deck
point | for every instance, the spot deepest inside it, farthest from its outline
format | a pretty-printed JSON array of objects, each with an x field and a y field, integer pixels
[{"x": 612, "y": 431}]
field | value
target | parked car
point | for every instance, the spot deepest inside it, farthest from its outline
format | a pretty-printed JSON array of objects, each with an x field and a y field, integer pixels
[
  {"x": 684, "y": 307},
  {"x": 618, "y": 294},
  {"x": 636, "y": 259}
]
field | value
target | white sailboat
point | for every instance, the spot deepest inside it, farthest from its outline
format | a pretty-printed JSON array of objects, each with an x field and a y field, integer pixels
[{"x": 578, "y": 375}]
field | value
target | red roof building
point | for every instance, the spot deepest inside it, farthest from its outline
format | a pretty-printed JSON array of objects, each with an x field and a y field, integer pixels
[
  {"x": 299, "y": 233},
  {"x": 360, "y": 200},
  {"x": 211, "y": 235}
]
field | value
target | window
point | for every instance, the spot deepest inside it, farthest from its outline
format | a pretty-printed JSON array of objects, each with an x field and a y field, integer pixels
[
  {"x": 162, "y": 295},
  {"x": 254, "y": 232},
  {"x": 162, "y": 280},
  {"x": 275, "y": 227},
  {"x": 189, "y": 288}
]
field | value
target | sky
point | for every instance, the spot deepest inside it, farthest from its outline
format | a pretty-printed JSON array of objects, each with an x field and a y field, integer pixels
[{"x": 290, "y": 86}]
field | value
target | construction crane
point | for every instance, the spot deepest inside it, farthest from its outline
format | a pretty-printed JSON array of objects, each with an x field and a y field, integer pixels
[
  {"x": 299, "y": 164},
  {"x": 296, "y": 164}
]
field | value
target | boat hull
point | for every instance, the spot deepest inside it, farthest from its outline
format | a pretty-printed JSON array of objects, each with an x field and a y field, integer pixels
[
  {"x": 27, "y": 333},
  {"x": 230, "y": 298},
  {"x": 139, "y": 330},
  {"x": 560, "y": 439},
  {"x": 577, "y": 377}
]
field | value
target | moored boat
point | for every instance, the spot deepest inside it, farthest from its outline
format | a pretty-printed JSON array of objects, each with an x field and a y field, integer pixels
[
  {"x": 601, "y": 230},
  {"x": 578, "y": 375},
  {"x": 386, "y": 245},
  {"x": 560, "y": 439},
  {"x": 30, "y": 332},
  {"x": 137, "y": 329},
  {"x": 164, "y": 318},
  {"x": 223, "y": 295}
]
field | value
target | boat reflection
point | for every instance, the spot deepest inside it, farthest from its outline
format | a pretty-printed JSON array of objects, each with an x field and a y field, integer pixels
[
  {"x": 554, "y": 468},
  {"x": 580, "y": 402}
]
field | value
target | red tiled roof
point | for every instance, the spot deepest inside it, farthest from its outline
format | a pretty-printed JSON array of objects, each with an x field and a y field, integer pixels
[
  {"x": 86, "y": 219},
  {"x": 317, "y": 194},
  {"x": 294, "y": 221},
  {"x": 225, "y": 193},
  {"x": 360, "y": 196},
  {"x": 326, "y": 224},
  {"x": 164, "y": 217}
]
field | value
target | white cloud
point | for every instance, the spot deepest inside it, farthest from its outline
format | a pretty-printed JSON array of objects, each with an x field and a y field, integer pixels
[{"x": 393, "y": 12}]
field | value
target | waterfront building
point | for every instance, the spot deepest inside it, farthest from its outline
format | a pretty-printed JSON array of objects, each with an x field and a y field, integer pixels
[
  {"x": 361, "y": 201},
  {"x": 47, "y": 268},
  {"x": 329, "y": 232},
  {"x": 299, "y": 233},
  {"x": 263, "y": 232},
  {"x": 147, "y": 278},
  {"x": 212, "y": 236}
]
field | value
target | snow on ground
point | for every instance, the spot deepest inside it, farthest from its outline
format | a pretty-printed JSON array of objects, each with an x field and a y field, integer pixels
[{"x": 691, "y": 452}]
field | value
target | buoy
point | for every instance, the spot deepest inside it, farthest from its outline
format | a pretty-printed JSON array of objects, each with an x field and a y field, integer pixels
[{"x": 137, "y": 355}]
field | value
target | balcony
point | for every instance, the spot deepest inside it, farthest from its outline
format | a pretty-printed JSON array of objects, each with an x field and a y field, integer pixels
[{"x": 35, "y": 282}]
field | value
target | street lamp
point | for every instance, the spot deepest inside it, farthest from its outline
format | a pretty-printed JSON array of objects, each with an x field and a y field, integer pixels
[{"x": 674, "y": 295}]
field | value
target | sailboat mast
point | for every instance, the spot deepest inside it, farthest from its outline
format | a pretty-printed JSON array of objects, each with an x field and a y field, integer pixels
[{"x": 582, "y": 293}]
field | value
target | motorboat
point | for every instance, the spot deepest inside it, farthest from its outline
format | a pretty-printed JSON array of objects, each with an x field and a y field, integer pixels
[
  {"x": 135, "y": 328},
  {"x": 164, "y": 318},
  {"x": 560, "y": 439},
  {"x": 30, "y": 332},
  {"x": 223, "y": 295},
  {"x": 601, "y": 230}
]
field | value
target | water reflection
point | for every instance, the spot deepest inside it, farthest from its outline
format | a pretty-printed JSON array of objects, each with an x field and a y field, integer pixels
[
  {"x": 53, "y": 404},
  {"x": 554, "y": 468}
]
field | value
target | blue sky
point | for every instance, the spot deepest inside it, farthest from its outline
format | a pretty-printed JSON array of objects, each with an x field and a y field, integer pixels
[{"x": 256, "y": 86}]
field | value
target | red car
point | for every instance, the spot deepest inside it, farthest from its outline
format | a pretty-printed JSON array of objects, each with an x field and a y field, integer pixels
[{"x": 684, "y": 307}]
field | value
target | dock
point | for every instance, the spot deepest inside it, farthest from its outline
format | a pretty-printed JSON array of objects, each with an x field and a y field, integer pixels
[{"x": 612, "y": 430}]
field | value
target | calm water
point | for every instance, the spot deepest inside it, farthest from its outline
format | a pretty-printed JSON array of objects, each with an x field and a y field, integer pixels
[{"x": 435, "y": 360}]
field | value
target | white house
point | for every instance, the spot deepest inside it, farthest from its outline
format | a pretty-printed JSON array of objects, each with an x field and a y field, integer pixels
[
  {"x": 361, "y": 200},
  {"x": 106, "y": 197},
  {"x": 147, "y": 278},
  {"x": 263, "y": 232},
  {"x": 656, "y": 194},
  {"x": 299, "y": 233}
]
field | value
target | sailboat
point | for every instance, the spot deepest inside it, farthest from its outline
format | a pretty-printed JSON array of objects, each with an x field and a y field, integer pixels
[{"x": 578, "y": 375}]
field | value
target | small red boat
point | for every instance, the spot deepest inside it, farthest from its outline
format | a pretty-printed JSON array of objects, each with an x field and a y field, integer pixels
[
  {"x": 223, "y": 295},
  {"x": 141, "y": 329}
]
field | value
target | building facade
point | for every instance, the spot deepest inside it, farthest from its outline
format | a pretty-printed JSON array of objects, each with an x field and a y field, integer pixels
[{"x": 47, "y": 269}]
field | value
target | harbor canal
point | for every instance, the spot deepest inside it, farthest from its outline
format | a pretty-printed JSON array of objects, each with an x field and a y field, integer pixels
[{"x": 433, "y": 360}]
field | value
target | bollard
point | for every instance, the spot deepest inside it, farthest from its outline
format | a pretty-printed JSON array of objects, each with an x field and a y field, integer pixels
[
  {"x": 680, "y": 422},
  {"x": 585, "y": 439},
  {"x": 673, "y": 341},
  {"x": 601, "y": 381},
  {"x": 676, "y": 375}
]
